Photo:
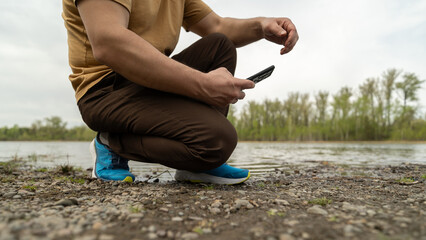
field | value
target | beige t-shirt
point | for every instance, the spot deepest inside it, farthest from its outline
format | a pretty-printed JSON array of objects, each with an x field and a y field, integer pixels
[{"x": 157, "y": 21}]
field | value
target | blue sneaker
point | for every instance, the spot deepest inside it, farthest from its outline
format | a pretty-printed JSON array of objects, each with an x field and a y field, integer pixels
[
  {"x": 224, "y": 174},
  {"x": 107, "y": 165}
]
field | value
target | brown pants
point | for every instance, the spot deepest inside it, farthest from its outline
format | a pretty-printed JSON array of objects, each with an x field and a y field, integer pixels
[{"x": 158, "y": 127}]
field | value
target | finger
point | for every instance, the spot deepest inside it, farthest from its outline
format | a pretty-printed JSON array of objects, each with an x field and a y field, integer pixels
[
  {"x": 291, "y": 40},
  {"x": 234, "y": 101},
  {"x": 278, "y": 31},
  {"x": 244, "y": 83},
  {"x": 241, "y": 95}
]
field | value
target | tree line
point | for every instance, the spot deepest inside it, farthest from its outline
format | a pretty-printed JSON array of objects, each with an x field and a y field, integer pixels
[
  {"x": 50, "y": 129},
  {"x": 381, "y": 108}
]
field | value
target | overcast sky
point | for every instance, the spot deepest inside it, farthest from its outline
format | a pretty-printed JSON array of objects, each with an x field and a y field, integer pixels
[{"x": 341, "y": 44}]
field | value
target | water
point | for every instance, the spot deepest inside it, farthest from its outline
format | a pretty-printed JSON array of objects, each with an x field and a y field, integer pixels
[{"x": 259, "y": 157}]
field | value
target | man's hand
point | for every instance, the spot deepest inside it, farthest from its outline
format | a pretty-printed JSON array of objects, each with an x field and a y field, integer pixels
[
  {"x": 280, "y": 31},
  {"x": 222, "y": 89}
]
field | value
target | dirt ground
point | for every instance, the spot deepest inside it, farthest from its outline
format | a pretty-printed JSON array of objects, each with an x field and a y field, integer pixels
[{"x": 323, "y": 201}]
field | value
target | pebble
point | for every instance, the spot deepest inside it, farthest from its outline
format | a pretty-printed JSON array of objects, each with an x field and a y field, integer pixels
[
  {"x": 317, "y": 210},
  {"x": 215, "y": 210},
  {"x": 66, "y": 202},
  {"x": 189, "y": 236},
  {"x": 177, "y": 219},
  {"x": 281, "y": 202},
  {"x": 9, "y": 194},
  {"x": 286, "y": 237}
]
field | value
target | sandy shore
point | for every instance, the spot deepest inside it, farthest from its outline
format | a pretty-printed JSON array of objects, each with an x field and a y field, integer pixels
[{"x": 323, "y": 201}]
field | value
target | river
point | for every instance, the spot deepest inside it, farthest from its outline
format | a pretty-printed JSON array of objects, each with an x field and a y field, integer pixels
[{"x": 259, "y": 157}]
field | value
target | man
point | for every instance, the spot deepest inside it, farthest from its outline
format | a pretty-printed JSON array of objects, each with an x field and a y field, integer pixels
[{"x": 149, "y": 107}]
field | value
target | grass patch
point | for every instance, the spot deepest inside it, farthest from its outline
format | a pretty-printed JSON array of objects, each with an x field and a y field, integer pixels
[
  {"x": 275, "y": 212},
  {"x": 320, "y": 201},
  {"x": 135, "y": 209},
  {"x": 9, "y": 166},
  {"x": 41, "y": 170},
  {"x": 73, "y": 180},
  {"x": 406, "y": 180},
  {"x": 209, "y": 187},
  {"x": 30, "y": 188},
  {"x": 424, "y": 176}
]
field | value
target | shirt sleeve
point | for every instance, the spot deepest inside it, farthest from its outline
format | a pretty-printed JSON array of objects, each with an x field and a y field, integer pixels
[
  {"x": 195, "y": 10},
  {"x": 125, "y": 3}
]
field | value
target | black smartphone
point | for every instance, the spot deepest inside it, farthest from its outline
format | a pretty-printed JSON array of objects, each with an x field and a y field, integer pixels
[{"x": 262, "y": 74}]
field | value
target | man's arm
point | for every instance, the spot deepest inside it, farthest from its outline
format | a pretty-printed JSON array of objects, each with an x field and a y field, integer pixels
[
  {"x": 245, "y": 31},
  {"x": 128, "y": 54}
]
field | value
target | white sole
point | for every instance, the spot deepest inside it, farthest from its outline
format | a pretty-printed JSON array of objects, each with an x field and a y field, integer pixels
[
  {"x": 187, "y": 176},
  {"x": 93, "y": 153}
]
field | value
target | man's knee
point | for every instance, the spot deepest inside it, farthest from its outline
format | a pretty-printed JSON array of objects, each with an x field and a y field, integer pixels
[{"x": 217, "y": 148}]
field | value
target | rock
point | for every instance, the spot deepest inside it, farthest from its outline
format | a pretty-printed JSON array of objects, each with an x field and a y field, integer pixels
[
  {"x": 350, "y": 230},
  {"x": 402, "y": 219},
  {"x": 243, "y": 203},
  {"x": 281, "y": 202},
  {"x": 349, "y": 207},
  {"x": 241, "y": 192},
  {"x": 317, "y": 210},
  {"x": 216, "y": 204},
  {"x": 9, "y": 194},
  {"x": 177, "y": 219},
  {"x": 106, "y": 237},
  {"x": 215, "y": 210},
  {"x": 193, "y": 218},
  {"x": 189, "y": 236},
  {"x": 161, "y": 233},
  {"x": 286, "y": 237},
  {"x": 97, "y": 226},
  {"x": 66, "y": 202},
  {"x": 163, "y": 209}
]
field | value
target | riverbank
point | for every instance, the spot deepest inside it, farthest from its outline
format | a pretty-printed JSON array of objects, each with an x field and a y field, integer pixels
[{"x": 322, "y": 201}]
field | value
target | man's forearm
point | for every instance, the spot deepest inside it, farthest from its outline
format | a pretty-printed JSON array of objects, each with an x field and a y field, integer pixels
[
  {"x": 242, "y": 31},
  {"x": 140, "y": 62}
]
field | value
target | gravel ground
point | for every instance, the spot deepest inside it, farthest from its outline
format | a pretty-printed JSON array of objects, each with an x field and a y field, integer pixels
[{"x": 322, "y": 201}]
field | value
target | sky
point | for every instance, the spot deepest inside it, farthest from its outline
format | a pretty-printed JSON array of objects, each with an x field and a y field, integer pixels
[{"x": 341, "y": 43}]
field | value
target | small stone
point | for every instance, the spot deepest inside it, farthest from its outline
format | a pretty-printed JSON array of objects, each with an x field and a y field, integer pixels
[
  {"x": 193, "y": 218},
  {"x": 161, "y": 233},
  {"x": 66, "y": 202},
  {"x": 243, "y": 203},
  {"x": 152, "y": 228},
  {"x": 281, "y": 202},
  {"x": 9, "y": 194},
  {"x": 97, "y": 226},
  {"x": 371, "y": 213},
  {"x": 350, "y": 230},
  {"x": 189, "y": 236},
  {"x": 163, "y": 209},
  {"x": 216, "y": 204},
  {"x": 177, "y": 219},
  {"x": 286, "y": 237},
  {"x": 152, "y": 235},
  {"x": 106, "y": 237},
  {"x": 17, "y": 196},
  {"x": 241, "y": 192},
  {"x": 317, "y": 210},
  {"x": 215, "y": 210}
]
